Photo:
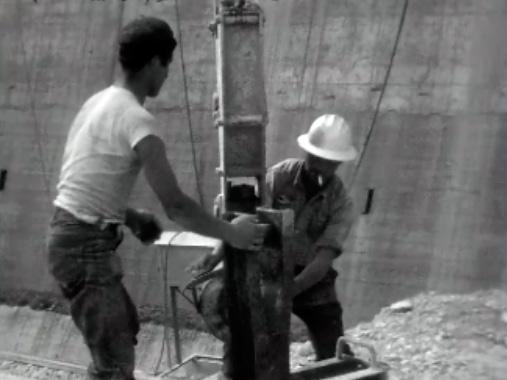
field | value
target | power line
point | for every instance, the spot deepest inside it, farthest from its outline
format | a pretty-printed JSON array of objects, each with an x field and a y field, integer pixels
[
  {"x": 33, "y": 112},
  {"x": 187, "y": 105},
  {"x": 382, "y": 92}
]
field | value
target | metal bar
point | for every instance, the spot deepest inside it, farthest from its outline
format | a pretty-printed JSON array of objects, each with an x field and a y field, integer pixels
[
  {"x": 258, "y": 299},
  {"x": 185, "y": 297},
  {"x": 219, "y": 50},
  {"x": 204, "y": 277},
  {"x": 176, "y": 324},
  {"x": 246, "y": 120},
  {"x": 275, "y": 263},
  {"x": 240, "y": 354},
  {"x": 210, "y": 358}
]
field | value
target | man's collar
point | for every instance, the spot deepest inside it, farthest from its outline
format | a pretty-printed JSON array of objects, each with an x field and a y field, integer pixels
[{"x": 298, "y": 181}]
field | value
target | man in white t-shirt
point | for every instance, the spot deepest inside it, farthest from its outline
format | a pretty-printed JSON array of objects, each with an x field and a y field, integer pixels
[{"x": 111, "y": 139}]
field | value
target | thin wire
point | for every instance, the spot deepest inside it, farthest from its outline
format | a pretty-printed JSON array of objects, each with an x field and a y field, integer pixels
[
  {"x": 187, "y": 105},
  {"x": 305, "y": 57},
  {"x": 33, "y": 111},
  {"x": 165, "y": 276},
  {"x": 382, "y": 92}
]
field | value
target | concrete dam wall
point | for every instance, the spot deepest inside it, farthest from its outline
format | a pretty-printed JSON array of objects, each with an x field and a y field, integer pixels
[{"x": 422, "y": 82}]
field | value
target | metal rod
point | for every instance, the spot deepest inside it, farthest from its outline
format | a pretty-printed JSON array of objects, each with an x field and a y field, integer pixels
[{"x": 176, "y": 325}]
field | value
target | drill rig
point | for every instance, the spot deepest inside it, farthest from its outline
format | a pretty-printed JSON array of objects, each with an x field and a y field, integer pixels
[
  {"x": 258, "y": 349},
  {"x": 256, "y": 284}
]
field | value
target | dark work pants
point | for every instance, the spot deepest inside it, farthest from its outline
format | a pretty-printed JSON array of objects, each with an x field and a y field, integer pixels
[
  {"x": 325, "y": 326},
  {"x": 84, "y": 262}
]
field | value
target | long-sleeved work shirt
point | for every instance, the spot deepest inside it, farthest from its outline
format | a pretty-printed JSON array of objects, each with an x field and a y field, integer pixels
[{"x": 322, "y": 221}]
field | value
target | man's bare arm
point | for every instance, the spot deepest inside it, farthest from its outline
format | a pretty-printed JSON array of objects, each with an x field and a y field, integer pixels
[{"x": 183, "y": 209}]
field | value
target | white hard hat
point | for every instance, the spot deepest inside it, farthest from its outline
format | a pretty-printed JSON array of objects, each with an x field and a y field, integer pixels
[{"x": 329, "y": 138}]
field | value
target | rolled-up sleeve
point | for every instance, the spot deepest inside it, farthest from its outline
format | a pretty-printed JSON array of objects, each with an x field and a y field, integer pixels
[
  {"x": 339, "y": 225},
  {"x": 139, "y": 125}
]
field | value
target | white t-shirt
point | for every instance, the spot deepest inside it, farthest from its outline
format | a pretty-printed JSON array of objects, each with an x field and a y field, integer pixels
[{"x": 100, "y": 166}]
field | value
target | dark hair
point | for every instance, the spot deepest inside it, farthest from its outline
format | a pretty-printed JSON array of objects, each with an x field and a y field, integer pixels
[{"x": 145, "y": 38}]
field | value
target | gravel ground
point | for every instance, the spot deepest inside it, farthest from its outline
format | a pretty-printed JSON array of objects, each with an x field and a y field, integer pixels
[
  {"x": 432, "y": 337},
  {"x": 428, "y": 337}
]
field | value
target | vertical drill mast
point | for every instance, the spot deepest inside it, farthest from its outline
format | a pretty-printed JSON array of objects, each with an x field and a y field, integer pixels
[
  {"x": 241, "y": 115},
  {"x": 257, "y": 284}
]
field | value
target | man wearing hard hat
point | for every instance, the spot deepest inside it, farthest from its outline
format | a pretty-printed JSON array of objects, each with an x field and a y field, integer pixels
[{"x": 324, "y": 215}]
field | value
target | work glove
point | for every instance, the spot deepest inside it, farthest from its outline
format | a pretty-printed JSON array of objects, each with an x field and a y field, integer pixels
[{"x": 144, "y": 225}]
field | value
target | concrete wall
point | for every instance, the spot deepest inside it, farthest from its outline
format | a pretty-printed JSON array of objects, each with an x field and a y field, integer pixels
[{"x": 434, "y": 157}]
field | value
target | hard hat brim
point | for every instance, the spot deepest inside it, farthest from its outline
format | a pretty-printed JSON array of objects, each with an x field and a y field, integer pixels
[{"x": 348, "y": 154}]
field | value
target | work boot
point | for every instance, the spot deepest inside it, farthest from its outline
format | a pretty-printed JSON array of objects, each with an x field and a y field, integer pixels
[
  {"x": 94, "y": 374},
  {"x": 347, "y": 351}
]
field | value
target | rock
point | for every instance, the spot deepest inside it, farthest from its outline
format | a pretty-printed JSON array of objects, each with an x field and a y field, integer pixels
[
  {"x": 402, "y": 306},
  {"x": 504, "y": 317},
  {"x": 305, "y": 349}
]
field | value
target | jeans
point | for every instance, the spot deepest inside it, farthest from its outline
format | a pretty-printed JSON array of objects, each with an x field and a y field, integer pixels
[{"x": 87, "y": 268}]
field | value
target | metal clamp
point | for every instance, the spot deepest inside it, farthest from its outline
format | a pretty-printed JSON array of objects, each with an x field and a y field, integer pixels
[{"x": 342, "y": 343}]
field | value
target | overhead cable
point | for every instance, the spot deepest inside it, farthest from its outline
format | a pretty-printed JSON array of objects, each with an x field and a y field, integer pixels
[
  {"x": 187, "y": 106},
  {"x": 382, "y": 92}
]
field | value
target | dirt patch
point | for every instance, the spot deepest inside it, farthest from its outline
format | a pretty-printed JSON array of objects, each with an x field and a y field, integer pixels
[
  {"x": 434, "y": 336},
  {"x": 47, "y": 301},
  {"x": 428, "y": 337}
]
